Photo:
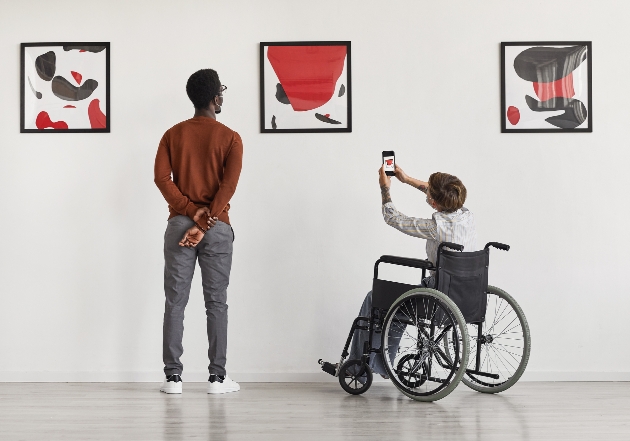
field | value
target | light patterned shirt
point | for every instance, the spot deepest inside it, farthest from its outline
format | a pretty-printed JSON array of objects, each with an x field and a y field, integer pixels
[{"x": 457, "y": 227}]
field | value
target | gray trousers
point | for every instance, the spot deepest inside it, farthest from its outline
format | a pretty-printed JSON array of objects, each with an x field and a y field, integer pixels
[
  {"x": 360, "y": 337},
  {"x": 214, "y": 254}
]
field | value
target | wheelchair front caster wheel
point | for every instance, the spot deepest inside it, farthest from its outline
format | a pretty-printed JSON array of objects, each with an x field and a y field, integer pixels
[{"x": 355, "y": 377}]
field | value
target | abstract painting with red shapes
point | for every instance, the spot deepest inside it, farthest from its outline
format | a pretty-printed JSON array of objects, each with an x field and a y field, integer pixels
[
  {"x": 65, "y": 87},
  {"x": 305, "y": 87},
  {"x": 546, "y": 87}
]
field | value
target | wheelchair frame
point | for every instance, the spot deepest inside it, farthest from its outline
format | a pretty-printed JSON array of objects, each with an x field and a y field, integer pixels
[{"x": 375, "y": 322}]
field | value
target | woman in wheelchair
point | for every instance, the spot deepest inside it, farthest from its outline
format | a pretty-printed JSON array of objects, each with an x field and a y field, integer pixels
[
  {"x": 418, "y": 336},
  {"x": 451, "y": 222}
]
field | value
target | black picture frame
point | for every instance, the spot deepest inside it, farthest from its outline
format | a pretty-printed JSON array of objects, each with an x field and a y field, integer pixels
[
  {"x": 24, "y": 90},
  {"x": 507, "y": 95},
  {"x": 267, "y": 116}
]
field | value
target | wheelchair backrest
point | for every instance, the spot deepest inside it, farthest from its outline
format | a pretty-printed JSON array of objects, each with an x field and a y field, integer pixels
[
  {"x": 384, "y": 292},
  {"x": 463, "y": 277}
]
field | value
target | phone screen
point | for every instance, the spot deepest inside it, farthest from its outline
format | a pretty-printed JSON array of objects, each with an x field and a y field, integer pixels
[{"x": 389, "y": 161}]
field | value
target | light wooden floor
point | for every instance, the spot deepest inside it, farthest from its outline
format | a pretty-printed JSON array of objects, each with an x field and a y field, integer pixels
[{"x": 323, "y": 412}]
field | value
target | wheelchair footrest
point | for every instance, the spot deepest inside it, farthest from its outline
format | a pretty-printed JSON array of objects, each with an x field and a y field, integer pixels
[
  {"x": 329, "y": 368},
  {"x": 482, "y": 374}
]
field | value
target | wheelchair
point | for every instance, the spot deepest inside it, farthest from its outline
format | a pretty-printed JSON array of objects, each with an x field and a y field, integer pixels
[{"x": 431, "y": 339}]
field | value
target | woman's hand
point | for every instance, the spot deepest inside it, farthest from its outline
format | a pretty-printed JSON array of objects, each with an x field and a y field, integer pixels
[{"x": 383, "y": 179}]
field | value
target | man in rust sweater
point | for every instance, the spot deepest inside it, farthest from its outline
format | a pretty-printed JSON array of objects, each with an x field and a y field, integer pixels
[{"x": 197, "y": 167}]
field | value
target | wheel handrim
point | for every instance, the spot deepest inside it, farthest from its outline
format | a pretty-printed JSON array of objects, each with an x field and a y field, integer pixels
[{"x": 421, "y": 322}]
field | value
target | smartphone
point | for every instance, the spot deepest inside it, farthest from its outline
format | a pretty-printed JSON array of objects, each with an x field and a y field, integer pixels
[{"x": 389, "y": 160}]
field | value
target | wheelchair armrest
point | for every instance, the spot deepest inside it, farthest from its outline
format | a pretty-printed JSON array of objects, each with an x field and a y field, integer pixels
[{"x": 406, "y": 261}]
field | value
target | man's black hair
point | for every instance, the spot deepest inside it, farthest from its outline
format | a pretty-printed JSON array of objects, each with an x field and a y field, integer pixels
[{"x": 202, "y": 87}]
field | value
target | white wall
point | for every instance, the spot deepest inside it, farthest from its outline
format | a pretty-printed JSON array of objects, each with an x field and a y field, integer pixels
[{"x": 82, "y": 222}]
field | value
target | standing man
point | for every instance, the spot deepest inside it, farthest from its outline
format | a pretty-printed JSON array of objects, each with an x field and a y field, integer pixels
[{"x": 204, "y": 158}]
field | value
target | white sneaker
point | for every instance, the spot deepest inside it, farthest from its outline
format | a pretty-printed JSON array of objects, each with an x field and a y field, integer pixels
[
  {"x": 220, "y": 385},
  {"x": 172, "y": 384}
]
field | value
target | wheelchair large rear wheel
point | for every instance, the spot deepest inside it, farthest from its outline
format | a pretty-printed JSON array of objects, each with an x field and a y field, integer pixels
[
  {"x": 504, "y": 345},
  {"x": 413, "y": 348}
]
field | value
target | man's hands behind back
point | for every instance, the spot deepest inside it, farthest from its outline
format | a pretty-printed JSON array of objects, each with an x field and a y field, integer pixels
[
  {"x": 202, "y": 214},
  {"x": 194, "y": 235}
]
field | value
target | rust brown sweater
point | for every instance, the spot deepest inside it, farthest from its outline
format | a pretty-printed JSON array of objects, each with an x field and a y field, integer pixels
[{"x": 205, "y": 159}]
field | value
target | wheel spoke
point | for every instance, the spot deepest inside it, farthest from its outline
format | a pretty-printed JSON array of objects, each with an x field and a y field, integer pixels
[
  {"x": 501, "y": 359},
  {"x": 404, "y": 331},
  {"x": 509, "y": 324},
  {"x": 444, "y": 331},
  {"x": 510, "y": 330},
  {"x": 508, "y": 352},
  {"x": 498, "y": 318},
  {"x": 507, "y": 338},
  {"x": 494, "y": 317},
  {"x": 485, "y": 360},
  {"x": 506, "y": 346},
  {"x": 408, "y": 314}
]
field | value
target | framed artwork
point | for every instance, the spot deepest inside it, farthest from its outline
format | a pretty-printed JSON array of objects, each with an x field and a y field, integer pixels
[
  {"x": 546, "y": 87},
  {"x": 64, "y": 88},
  {"x": 305, "y": 87}
]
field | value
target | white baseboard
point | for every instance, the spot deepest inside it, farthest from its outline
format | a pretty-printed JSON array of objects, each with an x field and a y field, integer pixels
[
  {"x": 157, "y": 376},
  {"x": 262, "y": 377},
  {"x": 575, "y": 376}
]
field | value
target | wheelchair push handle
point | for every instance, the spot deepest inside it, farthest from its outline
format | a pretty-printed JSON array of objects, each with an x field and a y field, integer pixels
[
  {"x": 451, "y": 245},
  {"x": 497, "y": 245}
]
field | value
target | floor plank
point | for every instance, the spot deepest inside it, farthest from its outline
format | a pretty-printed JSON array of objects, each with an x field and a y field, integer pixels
[{"x": 311, "y": 411}]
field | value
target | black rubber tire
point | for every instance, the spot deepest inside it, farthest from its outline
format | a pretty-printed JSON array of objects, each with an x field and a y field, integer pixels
[{"x": 350, "y": 375}]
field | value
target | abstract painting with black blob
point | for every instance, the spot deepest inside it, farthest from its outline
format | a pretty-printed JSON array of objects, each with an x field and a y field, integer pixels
[
  {"x": 305, "y": 87},
  {"x": 65, "y": 87},
  {"x": 546, "y": 87}
]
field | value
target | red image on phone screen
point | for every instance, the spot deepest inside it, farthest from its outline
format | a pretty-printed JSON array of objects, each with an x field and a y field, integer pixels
[{"x": 389, "y": 162}]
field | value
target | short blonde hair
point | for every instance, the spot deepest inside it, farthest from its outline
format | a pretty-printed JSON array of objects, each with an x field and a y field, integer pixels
[{"x": 447, "y": 191}]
